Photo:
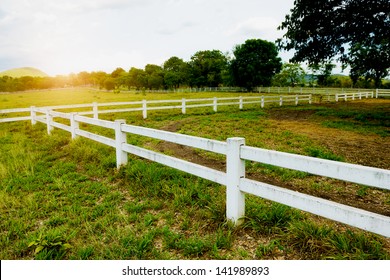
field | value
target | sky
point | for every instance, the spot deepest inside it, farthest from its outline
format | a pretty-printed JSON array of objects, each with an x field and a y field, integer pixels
[{"x": 61, "y": 37}]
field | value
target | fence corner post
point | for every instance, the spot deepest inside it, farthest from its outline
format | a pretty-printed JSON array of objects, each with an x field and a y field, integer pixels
[
  {"x": 33, "y": 115},
  {"x": 120, "y": 138},
  {"x": 215, "y": 104},
  {"x": 73, "y": 125},
  {"x": 49, "y": 120},
  {"x": 183, "y": 106},
  {"x": 235, "y": 170},
  {"x": 144, "y": 109},
  {"x": 95, "y": 110}
]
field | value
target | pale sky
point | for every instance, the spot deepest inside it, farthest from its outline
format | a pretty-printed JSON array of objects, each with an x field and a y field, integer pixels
[{"x": 70, "y": 36}]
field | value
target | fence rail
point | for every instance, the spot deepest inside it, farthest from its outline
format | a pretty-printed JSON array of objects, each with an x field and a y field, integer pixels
[
  {"x": 237, "y": 153},
  {"x": 183, "y": 104}
]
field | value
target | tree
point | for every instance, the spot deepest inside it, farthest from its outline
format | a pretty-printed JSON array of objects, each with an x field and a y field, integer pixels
[
  {"x": 206, "y": 68},
  {"x": 292, "y": 74},
  {"x": 154, "y": 76},
  {"x": 323, "y": 73},
  {"x": 137, "y": 78},
  {"x": 175, "y": 72},
  {"x": 117, "y": 72},
  {"x": 354, "y": 32},
  {"x": 255, "y": 63}
]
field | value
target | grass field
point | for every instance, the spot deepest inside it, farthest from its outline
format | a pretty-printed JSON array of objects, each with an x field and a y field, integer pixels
[{"x": 63, "y": 199}]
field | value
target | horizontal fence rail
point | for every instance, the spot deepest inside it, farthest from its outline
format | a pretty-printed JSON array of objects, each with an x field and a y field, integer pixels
[
  {"x": 237, "y": 153},
  {"x": 144, "y": 106}
]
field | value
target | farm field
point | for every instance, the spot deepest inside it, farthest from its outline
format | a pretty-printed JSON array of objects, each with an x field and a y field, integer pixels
[{"x": 64, "y": 199}]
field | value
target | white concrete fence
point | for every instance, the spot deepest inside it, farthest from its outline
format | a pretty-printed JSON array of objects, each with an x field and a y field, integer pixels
[
  {"x": 236, "y": 153},
  {"x": 234, "y": 149},
  {"x": 183, "y": 104},
  {"x": 152, "y": 105}
]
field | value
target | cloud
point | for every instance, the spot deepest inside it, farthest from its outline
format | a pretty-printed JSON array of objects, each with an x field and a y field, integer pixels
[
  {"x": 174, "y": 28},
  {"x": 256, "y": 27}
]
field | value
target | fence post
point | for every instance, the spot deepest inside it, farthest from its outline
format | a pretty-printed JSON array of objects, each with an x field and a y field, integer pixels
[
  {"x": 310, "y": 98},
  {"x": 376, "y": 93},
  {"x": 235, "y": 170},
  {"x": 73, "y": 125},
  {"x": 183, "y": 106},
  {"x": 281, "y": 101},
  {"x": 49, "y": 119},
  {"x": 33, "y": 115},
  {"x": 262, "y": 101},
  {"x": 296, "y": 99},
  {"x": 120, "y": 138},
  {"x": 215, "y": 104},
  {"x": 241, "y": 103},
  {"x": 144, "y": 109},
  {"x": 95, "y": 110},
  {"x": 337, "y": 97}
]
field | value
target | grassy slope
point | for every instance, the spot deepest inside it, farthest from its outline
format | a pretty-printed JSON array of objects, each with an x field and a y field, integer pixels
[
  {"x": 68, "y": 197},
  {"x": 24, "y": 71}
]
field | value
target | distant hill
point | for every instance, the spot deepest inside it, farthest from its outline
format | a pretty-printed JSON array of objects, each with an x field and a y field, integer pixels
[{"x": 24, "y": 71}]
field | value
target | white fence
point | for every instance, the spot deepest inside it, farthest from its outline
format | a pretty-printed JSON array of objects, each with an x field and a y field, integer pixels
[
  {"x": 151, "y": 105},
  {"x": 237, "y": 153},
  {"x": 183, "y": 104},
  {"x": 382, "y": 93}
]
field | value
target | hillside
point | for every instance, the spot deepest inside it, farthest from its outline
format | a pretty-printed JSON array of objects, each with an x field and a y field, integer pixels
[{"x": 24, "y": 71}]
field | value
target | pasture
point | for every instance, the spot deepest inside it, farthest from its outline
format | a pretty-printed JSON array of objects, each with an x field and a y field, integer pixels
[{"x": 64, "y": 199}]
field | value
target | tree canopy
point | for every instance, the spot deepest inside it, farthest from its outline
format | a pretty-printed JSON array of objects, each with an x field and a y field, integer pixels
[
  {"x": 354, "y": 32},
  {"x": 255, "y": 63}
]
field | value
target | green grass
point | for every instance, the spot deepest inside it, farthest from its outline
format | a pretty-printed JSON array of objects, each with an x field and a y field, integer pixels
[{"x": 64, "y": 199}]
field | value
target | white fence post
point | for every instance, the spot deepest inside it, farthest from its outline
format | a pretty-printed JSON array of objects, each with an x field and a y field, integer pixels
[
  {"x": 337, "y": 97},
  {"x": 49, "y": 119},
  {"x": 235, "y": 170},
  {"x": 376, "y": 93},
  {"x": 183, "y": 106},
  {"x": 33, "y": 115},
  {"x": 95, "y": 110},
  {"x": 281, "y": 101},
  {"x": 215, "y": 104},
  {"x": 241, "y": 103},
  {"x": 73, "y": 125},
  {"x": 262, "y": 101},
  {"x": 144, "y": 109},
  {"x": 310, "y": 98},
  {"x": 120, "y": 138},
  {"x": 296, "y": 99}
]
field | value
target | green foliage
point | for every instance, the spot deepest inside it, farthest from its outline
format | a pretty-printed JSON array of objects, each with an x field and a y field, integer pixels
[
  {"x": 255, "y": 63},
  {"x": 49, "y": 246},
  {"x": 292, "y": 74},
  {"x": 319, "y": 31},
  {"x": 206, "y": 68}
]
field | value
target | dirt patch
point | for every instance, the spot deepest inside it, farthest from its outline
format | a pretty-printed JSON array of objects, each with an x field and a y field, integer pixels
[{"x": 365, "y": 149}]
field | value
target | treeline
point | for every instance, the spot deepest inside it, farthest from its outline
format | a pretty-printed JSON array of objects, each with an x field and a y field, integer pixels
[{"x": 254, "y": 63}]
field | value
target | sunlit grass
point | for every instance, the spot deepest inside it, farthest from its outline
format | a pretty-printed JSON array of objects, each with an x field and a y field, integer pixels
[{"x": 67, "y": 196}]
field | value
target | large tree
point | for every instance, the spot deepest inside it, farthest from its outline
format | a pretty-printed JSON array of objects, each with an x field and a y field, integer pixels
[
  {"x": 292, "y": 74},
  {"x": 354, "y": 32},
  {"x": 255, "y": 63},
  {"x": 175, "y": 72},
  {"x": 206, "y": 68}
]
